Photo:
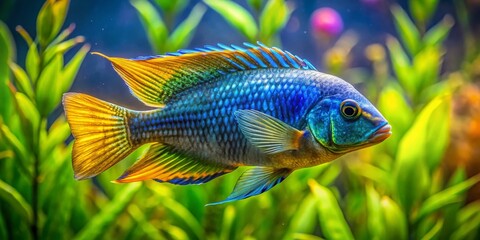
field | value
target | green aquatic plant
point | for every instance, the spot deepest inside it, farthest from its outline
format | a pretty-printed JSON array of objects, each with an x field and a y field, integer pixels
[
  {"x": 31, "y": 136},
  {"x": 263, "y": 25},
  {"x": 159, "y": 27}
]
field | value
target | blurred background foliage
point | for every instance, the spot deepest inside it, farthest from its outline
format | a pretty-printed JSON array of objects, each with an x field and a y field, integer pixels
[{"x": 422, "y": 183}]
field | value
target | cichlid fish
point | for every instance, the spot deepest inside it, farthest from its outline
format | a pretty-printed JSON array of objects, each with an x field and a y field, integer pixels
[{"x": 219, "y": 108}]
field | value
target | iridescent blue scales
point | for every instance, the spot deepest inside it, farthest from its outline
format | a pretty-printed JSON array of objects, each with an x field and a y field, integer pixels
[{"x": 220, "y": 108}]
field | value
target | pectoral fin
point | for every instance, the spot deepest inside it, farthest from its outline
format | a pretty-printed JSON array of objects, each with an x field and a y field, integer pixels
[
  {"x": 269, "y": 134},
  {"x": 256, "y": 181}
]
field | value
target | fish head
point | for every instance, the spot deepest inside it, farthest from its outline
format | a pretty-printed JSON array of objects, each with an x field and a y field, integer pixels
[{"x": 346, "y": 122}]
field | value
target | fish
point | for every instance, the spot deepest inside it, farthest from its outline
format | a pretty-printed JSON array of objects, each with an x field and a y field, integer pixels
[{"x": 219, "y": 108}]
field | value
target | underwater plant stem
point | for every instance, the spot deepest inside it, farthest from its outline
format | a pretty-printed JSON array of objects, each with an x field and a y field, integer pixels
[
  {"x": 35, "y": 198},
  {"x": 36, "y": 182}
]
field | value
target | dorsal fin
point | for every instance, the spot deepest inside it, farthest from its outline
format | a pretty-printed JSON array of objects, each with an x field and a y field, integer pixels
[{"x": 155, "y": 79}]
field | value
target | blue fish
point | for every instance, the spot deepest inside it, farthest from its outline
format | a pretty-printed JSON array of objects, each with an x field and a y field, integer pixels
[{"x": 218, "y": 108}]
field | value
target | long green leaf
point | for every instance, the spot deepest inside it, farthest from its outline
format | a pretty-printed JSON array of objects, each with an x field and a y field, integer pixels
[
  {"x": 6, "y": 55},
  {"x": 22, "y": 80},
  {"x": 61, "y": 48},
  {"x": 181, "y": 36},
  {"x": 71, "y": 68},
  {"x": 438, "y": 33},
  {"x": 59, "y": 209},
  {"x": 237, "y": 16},
  {"x": 411, "y": 170},
  {"x": 16, "y": 201},
  {"x": 48, "y": 93},
  {"x": 57, "y": 135},
  {"x": 227, "y": 223},
  {"x": 330, "y": 215},
  {"x": 45, "y": 23},
  {"x": 406, "y": 30},
  {"x": 468, "y": 222},
  {"x": 446, "y": 197},
  {"x": 17, "y": 147},
  {"x": 434, "y": 231},
  {"x": 273, "y": 18},
  {"x": 185, "y": 216},
  {"x": 156, "y": 29},
  {"x": 402, "y": 67},
  {"x": 109, "y": 214},
  {"x": 32, "y": 62},
  {"x": 375, "y": 218},
  {"x": 395, "y": 221},
  {"x": 303, "y": 220}
]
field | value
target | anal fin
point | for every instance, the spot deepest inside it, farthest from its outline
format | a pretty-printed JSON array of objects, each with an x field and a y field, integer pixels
[
  {"x": 164, "y": 163},
  {"x": 255, "y": 181}
]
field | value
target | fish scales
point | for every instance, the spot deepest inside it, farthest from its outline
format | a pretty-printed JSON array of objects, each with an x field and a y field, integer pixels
[{"x": 201, "y": 119}]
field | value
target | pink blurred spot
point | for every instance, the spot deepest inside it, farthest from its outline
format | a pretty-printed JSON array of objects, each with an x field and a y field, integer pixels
[{"x": 326, "y": 21}]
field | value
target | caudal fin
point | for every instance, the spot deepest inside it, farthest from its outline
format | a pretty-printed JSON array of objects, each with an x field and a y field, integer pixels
[{"x": 100, "y": 132}]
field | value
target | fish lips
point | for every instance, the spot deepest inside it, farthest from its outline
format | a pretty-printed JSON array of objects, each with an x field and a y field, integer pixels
[
  {"x": 378, "y": 136},
  {"x": 381, "y": 134}
]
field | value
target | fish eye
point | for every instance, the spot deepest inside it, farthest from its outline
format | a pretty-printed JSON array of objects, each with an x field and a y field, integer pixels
[{"x": 350, "y": 109}]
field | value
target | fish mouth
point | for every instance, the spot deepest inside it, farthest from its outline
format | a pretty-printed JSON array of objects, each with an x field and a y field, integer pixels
[
  {"x": 377, "y": 137},
  {"x": 381, "y": 134}
]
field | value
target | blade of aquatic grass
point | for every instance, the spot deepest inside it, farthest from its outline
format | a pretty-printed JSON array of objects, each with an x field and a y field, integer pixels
[
  {"x": 3, "y": 227},
  {"x": 32, "y": 62},
  {"x": 237, "y": 16},
  {"x": 422, "y": 10},
  {"x": 450, "y": 212},
  {"x": 194, "y": 199},
  {"x": 395, "y": 221},
  {"x": 147, "y": 227},
  {"x": 71, "y": 68},
  {"x": 171, "y": 6},
  {"x": 22, "y": 81},
  {"x": 185, "y": 218},
  {"x": 426, "y": 65},
  {"x": 272, "y": 19},
  {"x": 156, "y": 29},
  {"x": 16, "y": 201},
  {"x": 50, "y": 20},
  {"x": 47, "y": 90},
  {"x": 227, "y": 223},
  {"x": 6, "y": 55},
  {"x": 416, "y": 144},
  {"x": 468, "y": 222},
  {"x": 402, "y": 67},
  {"x": 406, "y": 30},
  {"x": 57, "y": 134},
  {"x": 175, "y": 232},
  {"x": 375, "y": 221},
  {"x": 434, "y": 231},
  {"x": 29, "y": 116},
  {"x": 391, "y": 102},
  {"x": 182, "y": 35},
  {"x": 331, "y": 218},
  {"x": 445, "y": 197},
  {"x": 96, "y": 226},
  {"x": 438, "y": 33},
  {"x": 438, "y": 132},
  {"x": 303, "y": 219},
  {"x": 61, "y": 48},
  {"x": 17, "y": 147},
  {"x": 59, "y": 200}
]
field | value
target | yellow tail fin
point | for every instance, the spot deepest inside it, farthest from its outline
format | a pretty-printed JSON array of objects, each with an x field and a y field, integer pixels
[{"x": 100, "y": 132}]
